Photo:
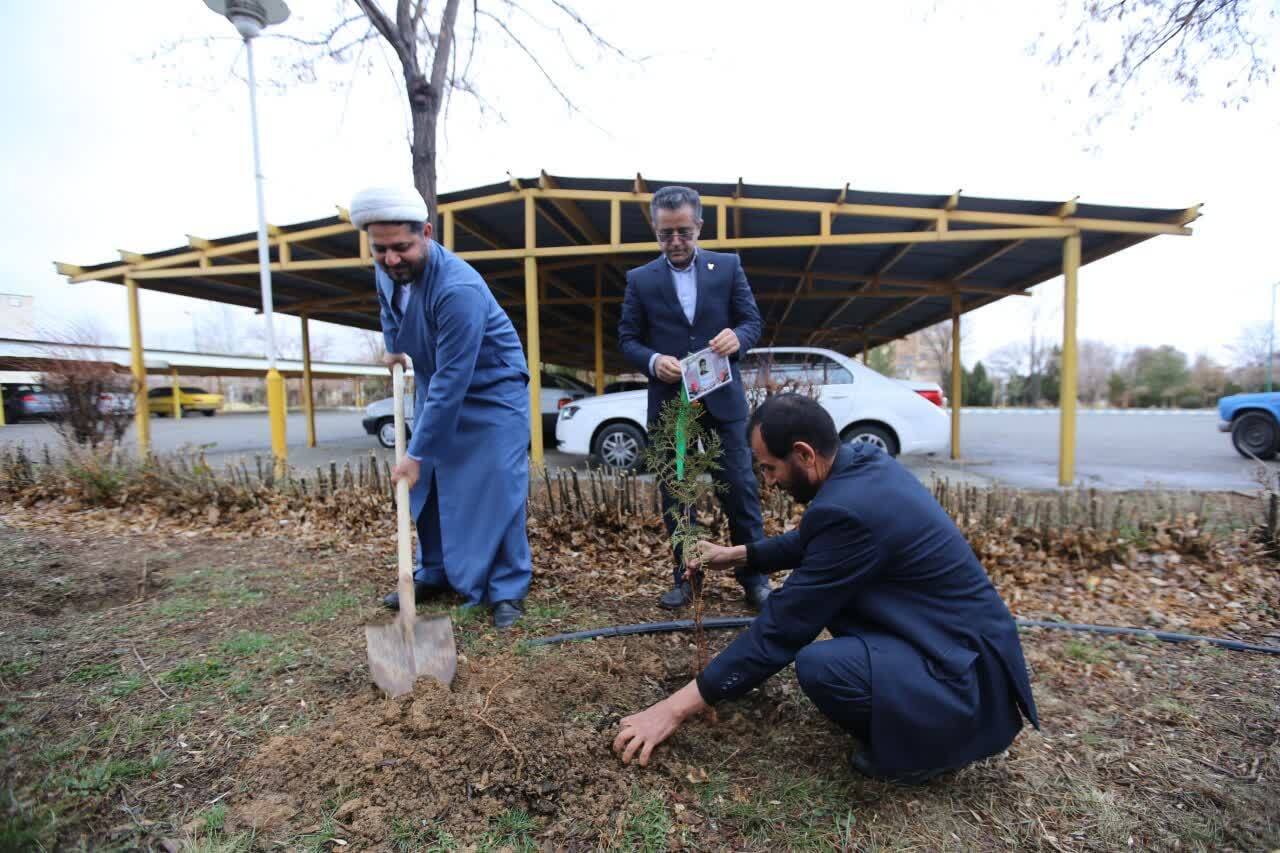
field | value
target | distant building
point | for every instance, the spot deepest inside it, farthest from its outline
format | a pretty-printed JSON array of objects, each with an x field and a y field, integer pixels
[
  {"x": 17, "y": 315},
  {"x": 912, "y": 359}
]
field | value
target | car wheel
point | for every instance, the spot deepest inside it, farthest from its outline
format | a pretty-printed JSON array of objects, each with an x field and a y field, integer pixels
[
  {"x": 387, "y": 432},
  {"x": 620, "y": 446},
  {"x": 1254, "y": 435},
  {"x": 871, "y": 434},
  {"x": 208, "y": 413}
]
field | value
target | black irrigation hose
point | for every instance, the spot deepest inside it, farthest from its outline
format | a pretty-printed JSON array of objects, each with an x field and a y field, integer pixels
[{"x": 744, "y": 621}]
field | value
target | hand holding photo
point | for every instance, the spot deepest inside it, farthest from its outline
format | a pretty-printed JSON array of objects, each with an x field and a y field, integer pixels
[{"x": 704, "y": 372}]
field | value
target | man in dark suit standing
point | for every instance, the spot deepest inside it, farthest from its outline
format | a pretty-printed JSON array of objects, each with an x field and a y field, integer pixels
[
  {"x": 679, "y": 303},
  {"x": 924, "y": 667}
]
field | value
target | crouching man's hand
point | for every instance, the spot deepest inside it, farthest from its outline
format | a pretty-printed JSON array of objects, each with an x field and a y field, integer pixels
[
  {"x": 709, "y": 555},
  {"x": 640, "y": 733}
]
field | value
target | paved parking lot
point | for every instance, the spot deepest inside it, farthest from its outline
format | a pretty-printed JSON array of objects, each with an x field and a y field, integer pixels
[{"x": 1114, "y": 451}]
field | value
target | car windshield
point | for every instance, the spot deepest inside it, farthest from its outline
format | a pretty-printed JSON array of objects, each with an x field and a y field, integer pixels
[{"x": 186, "y": 389}]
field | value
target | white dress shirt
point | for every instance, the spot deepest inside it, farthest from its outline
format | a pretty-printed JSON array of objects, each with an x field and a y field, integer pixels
[{"x": 686, "y": 282}]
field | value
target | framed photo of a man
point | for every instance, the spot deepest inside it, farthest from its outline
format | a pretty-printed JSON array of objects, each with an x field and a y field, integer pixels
[{"x": 704, "y": 372}]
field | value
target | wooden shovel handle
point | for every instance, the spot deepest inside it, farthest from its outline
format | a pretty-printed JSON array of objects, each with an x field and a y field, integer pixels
[{"x": 404, "y": 553}]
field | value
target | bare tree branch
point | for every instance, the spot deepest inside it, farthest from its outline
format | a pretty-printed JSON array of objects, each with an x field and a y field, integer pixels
[{"x": 1170, "y": 41}]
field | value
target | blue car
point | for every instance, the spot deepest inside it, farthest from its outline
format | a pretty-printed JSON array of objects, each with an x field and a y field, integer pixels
[{"x": 1254, "y": 423}]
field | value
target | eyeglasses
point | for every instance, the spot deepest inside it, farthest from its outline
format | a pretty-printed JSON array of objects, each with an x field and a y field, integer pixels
[{"x": 666, "y": 235}]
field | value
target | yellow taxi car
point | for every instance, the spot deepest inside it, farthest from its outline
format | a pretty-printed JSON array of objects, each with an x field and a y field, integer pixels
[{"x": 160, "y": 401}]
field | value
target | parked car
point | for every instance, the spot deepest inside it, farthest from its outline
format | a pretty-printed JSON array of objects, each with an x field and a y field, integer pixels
[
  {"x": 32, "y": 402},
  {"x": 626, "y": 385},
  {"x": 1254, "y": 423},
  {"x": 866, "y": 407},
  {"x": 190, "y": 399},
  {"x": 931, "y": 391},
  {"x": 558, "y": 391}
]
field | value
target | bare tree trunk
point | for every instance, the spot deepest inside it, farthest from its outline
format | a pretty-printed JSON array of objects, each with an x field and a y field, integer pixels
[
  {"x": 425, "y": 94},
  {"x": 423, "y": 149}
]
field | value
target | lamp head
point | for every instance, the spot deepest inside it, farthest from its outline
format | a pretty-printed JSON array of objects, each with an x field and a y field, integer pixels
[{"x": 250, "y": 17}]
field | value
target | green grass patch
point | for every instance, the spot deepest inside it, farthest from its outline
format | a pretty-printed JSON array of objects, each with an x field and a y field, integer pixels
[
  {"x": 788, "y": 812},
  {"x": 147, "y": 726},
  {"x": 196, "y": 672},
  {"x": 14, "y": 669},
  {"x": 242, "y": 689},
  {"x": 56, "y": 753},
  {"x": 322, "y": 837},
  {"x": 94, "y": 672},
  {"x": 212, "y": 837},
  {"x": 421, "y": 836},
  {"x": 125, "y": 687},
  {"x": 240, "y": 596},
  {"x": 646, "y": 824},
  {"x": 546, "y": 611},
  {"x": 177, "y": 607},
  {"x": 101, "y": 776},
  {"x": 1083, "y": 651},
  {"x": 512, "y": 830},
  {"x": 1173, "y": 710},
  {"x": 25, "y": 825},
  {"x": 247, "y": 643},
  {"x": 329, "y": 608}
]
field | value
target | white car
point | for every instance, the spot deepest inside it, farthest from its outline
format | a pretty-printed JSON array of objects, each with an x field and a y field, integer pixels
[
  {"x": 558, "y": 391},
  {"x": 866, "y": 406}
]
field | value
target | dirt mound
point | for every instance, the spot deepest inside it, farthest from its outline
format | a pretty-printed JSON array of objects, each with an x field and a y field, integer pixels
[{"x": 514, "y": 733}]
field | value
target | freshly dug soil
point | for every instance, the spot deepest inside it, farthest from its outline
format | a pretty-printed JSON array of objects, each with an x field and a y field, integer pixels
[{"x": 527, "y": 731}]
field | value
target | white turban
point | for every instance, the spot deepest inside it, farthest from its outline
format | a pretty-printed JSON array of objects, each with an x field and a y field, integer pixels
[{"x": 387, "y": 204}]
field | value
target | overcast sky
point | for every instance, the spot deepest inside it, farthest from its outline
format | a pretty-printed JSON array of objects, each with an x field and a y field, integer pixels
[{"x": 106, "y": 148}]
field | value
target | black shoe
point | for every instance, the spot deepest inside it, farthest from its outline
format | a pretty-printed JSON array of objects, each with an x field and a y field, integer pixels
[
  {"x": 507, "y": 613},
  {"x": 677, "y": 597},
  {"x": 756, "y": 591},
  {"x": 422, "y": 592},
  {"x": 860, "y": 763}
]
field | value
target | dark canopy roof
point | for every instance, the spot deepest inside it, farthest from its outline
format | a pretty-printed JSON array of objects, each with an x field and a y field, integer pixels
[{"x": 811, "y": 289}]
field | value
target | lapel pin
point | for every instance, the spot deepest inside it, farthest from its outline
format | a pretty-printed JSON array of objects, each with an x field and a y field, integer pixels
[{"x": 711, "y": 266}]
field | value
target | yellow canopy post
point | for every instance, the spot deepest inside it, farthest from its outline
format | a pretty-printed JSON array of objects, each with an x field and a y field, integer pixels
[
  {"x": 2, "y": 422},
  {"x": 177, "y": 393},
  {"x": 308, "y": 400},
  {"x": 141, "y": 411},
  {"x": 532, "y": 344},
  {"x": 957, "y": 377},
  {"x": 1067, "y": 391}
]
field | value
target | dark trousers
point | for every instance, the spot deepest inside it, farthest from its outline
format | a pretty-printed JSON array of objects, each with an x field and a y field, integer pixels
[
  {"x": 836, "y": 675},
  {"x": 740, "y": 497}
]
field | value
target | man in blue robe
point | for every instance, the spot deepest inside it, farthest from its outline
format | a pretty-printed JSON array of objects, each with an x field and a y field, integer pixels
[
  {"x": 466, "y": 463},
  {"x": 924, "y": 666}
]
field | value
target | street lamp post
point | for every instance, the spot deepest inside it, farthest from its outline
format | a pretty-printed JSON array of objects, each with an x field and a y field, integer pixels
[{"x": 251, "y": 17}]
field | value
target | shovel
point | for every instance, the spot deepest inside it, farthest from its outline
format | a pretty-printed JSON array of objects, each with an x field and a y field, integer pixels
[{"x": 407, "y": 648}]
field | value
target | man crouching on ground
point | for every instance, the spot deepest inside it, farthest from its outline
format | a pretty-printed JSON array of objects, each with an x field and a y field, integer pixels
[{"x": 924, "y": 667}]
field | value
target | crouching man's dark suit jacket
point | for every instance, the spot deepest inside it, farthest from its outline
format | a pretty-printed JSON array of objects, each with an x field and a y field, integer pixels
[{"x": 876, "y": 556}]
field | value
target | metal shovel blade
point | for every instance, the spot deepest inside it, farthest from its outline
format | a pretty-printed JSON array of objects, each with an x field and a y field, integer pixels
[{"x": 401, "y": 652}]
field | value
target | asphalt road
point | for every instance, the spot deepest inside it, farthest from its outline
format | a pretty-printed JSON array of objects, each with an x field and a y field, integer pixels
[{"x": 1114, "y": 451}]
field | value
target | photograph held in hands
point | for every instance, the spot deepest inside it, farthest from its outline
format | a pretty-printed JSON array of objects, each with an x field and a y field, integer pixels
[{"x": 704, "y": 372}]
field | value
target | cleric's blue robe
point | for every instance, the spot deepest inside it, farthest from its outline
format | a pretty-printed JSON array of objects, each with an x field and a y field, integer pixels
[{"x": 470, "y": 429}]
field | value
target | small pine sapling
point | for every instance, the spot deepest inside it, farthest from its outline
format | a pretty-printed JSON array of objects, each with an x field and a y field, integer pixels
[{"x": 681, "y": 453}]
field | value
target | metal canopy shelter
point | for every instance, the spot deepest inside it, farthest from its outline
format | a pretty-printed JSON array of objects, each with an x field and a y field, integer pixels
[{"x": 847, "y": 269}]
